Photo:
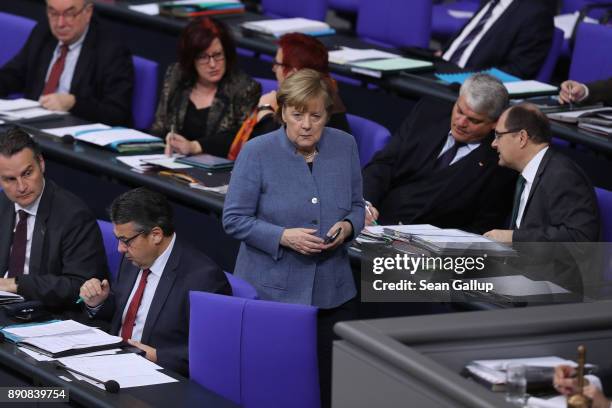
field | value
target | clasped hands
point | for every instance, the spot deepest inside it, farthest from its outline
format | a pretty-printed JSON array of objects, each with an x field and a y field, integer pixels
[{"x": 304, "y": 240}]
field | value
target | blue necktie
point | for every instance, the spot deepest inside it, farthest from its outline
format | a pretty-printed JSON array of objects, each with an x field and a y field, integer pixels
[
  {"x": 447, "y": 157},
  {"x": 456, "y": 56}
]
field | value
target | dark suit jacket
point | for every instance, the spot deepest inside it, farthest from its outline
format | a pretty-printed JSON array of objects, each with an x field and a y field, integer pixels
[
  {"x": 471, "y": 194},
  {"x": 66, "y": 248},
  {"x": 103, "y": 76},
  {"x": 561, "y": 206},
  {"x": 600, "y": 91},
  {"x": 167, "y": 324},
  {"x": 518, "y": 42}
]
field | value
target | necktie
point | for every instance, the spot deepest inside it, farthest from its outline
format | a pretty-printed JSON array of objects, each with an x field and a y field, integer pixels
[
  {"x": 130, "y": 316},
  {"x": 56, "y": 71},
  {"x": 520, "y": 186},
  {"x": 18, "y": 249},
  {"x": 447, "y": 157},
  {"x": 467, "y": 40}
]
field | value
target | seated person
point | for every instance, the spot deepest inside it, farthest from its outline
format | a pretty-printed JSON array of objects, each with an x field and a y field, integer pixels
[
  {"x": 593, "y": 92},
  {"x": 149, "y": 303},
  {"x": 439, "y": 167},
  {"x": 554, "y": 199},
  {"x": 71, "y": 63},
  {"x": 49, "y": 240},
  {"x": 204, "y": 98},
  {"x": 512, "y": 35},
  {"x": 566, "y": 383}
]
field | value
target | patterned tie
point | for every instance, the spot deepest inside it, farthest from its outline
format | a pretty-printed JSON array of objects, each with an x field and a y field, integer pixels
[
  {"x": 18, "y": 249},
  {"x": 130, "y": 316},
  {"x": 520, "y": 186},
  {"x": 56, "y": 71},
  {"x": 447, "y": 157},
  {"x": 467, "y": 40}
]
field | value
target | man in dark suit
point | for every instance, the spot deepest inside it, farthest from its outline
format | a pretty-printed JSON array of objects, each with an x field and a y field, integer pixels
[
  {"x": 593, "y": 92},
  {"x": 512, "y": 35},
  {"x": 149, "y": 303},
  {"x": 439, "y": 167},
  {"x": 72, "y": 64},
  {"x": 49, "y": 240},
  {"x": 554, "y": 199}
]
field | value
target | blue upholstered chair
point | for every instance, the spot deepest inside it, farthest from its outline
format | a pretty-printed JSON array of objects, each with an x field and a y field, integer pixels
[
  {"x": 344, "y": 5},
  {"x": 144, "y": 99},
  {"x": 312, "y": 9},
  {"x": 395, "y": 23},
  {"x": 604, "y": 199},
  {"x": 113, "y": 256},
  {"x": 591, "y": 58},
  {"x": 256, "y": 353},
  {"x": 551, "y": 59},
  {"x": 267, "y": 85},
  {"x": 370, "y": 137},
  {"x": 240, "y": 287},
  {"x": 443, "y": 24},
  {"x": 15, "y": 30}
]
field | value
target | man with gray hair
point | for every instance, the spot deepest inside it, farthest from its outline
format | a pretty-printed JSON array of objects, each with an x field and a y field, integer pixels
[
  {"x": 71, "y": 63},
  {"x": 441, "y": 173}
]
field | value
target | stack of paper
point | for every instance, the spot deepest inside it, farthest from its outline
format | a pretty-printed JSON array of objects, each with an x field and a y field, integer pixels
[
  {"x": 278, "y": 27},
  {"x": 119, "y": 139},
  {"x": 16, "y": 109},
  {"x": 347, "y": 55},
  {"x": 8, "y": 297},
  {"x": 529, "y": 87},
  {"x": 198, "y": 8}
]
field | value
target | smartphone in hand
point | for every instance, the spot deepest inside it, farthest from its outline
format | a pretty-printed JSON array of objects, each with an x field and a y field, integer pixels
[{"x": 332, "y": 238}]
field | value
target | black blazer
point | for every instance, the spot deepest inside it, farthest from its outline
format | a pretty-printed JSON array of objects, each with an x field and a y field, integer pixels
[
  {"x": 66, "y": 248},
  {"x": 561, "y": 206},
  {"x": 600, "y": 91},
  {"x": 472, "y": 194},
  {"x": 167, "y": 324},
  {"x": 518, "y": 42},
  {"x": 103, "y": 77}
]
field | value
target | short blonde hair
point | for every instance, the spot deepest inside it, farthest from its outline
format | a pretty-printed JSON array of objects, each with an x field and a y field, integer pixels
[{"x": 299, "y": 89}]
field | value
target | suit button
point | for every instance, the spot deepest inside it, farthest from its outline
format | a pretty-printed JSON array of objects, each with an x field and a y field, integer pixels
[
  {"x": 314, "y": 200},
  {"x": 314, "y": 222}
]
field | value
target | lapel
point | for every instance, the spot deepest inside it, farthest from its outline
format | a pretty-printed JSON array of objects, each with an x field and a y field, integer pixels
[
  {"x": 40, "y": 228},
  {"x": 7, "y": 220},
  {"x": 46, "y": 55},
  {"x": 218, "y": 110},
  {"x": 536, "y": 180},
  {"x": 126, "y": 281},
  {"x": 86, "y": 59},
  {"x": 452, "y": 40},
  {"x": 165, "y": 285},
  {"x": 507, "y": 18}
]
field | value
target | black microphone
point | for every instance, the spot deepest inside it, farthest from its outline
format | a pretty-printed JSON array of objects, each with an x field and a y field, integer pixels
[
  {"x": 111, "y": 386},
  {"x": 68, "y": 139}
]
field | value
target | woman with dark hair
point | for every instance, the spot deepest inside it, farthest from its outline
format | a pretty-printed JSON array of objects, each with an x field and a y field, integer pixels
[{"x": 204, "y": 99}]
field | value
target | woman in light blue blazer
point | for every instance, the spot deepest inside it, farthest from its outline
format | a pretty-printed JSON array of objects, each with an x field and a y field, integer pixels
[{"x": 292, "y": 188}]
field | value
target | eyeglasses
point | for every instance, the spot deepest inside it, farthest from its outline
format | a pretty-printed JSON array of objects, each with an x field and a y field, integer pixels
[
  {"x": 205, "y": 58},
  {"x": 69, "y": 15},
  {"x": 498, "y": 135},
  {"x": 275, "y": 64},
  {"x": 128, "y": 241}
]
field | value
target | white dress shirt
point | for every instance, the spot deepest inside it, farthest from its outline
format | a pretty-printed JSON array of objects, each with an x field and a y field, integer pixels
[
  {"x": 32, "y": 210},
  {"x": 461, "y": 152},
  {"x": 157, "y": 269},
  {"x": 497, "y": 12},
  {"x": 74, "y": 50},
  {"x": 529, "y": 173}
]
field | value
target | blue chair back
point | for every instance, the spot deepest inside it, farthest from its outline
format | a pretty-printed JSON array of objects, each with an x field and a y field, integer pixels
[
  {"x": 15, "y": 30},
  {"x": 370, "y": 137},
  {"x": 551, "y": 59},
  {"x": 240, "y": 287},
  {"x": 604, "y": 199},
  {"x": 267, "y": 85},
  {"x": 443, "y": 24},
  {"x": 144, "y": 99},
  {"x": 256, "y": 353},
  {"x": 395, "y": 23},
  {"x": 113, "y": 256},
  {"x": 591, "y": 59},
  {"x": 344, "y": 5},
  {"x": 312, "y": 9}
]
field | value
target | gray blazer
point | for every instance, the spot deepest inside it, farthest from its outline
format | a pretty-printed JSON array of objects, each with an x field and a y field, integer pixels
[{"x": 272, "y": 189}]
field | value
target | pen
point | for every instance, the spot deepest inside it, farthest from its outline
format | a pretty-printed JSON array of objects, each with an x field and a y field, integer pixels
[
  {"x": 79, "y": 300},
  {"x": 367, "y": 206}
]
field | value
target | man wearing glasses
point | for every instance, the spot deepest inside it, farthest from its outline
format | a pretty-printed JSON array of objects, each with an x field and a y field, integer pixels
[
  {"x": 554, "y": 200},
  {"x": 149, "y": 302},
  {"x": 49, "y": 240},
  {"x": 72, "y": 64}
]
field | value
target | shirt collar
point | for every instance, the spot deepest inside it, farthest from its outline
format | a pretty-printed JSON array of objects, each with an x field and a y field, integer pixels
[
  {"x": 32, "y": 209},
  {"x": 160, "y": 263},
  {"x": 75, "y": 44},
  {"x": 530, "y": 170},
  {"x": 451, "y": 141}
]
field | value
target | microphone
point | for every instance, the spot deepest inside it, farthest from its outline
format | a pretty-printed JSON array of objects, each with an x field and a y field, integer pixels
[
  {"x": 111, "y": 386},
  {"x": 68, "y": 139}
]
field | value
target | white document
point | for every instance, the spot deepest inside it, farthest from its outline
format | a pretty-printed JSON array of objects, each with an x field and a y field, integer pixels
[
  {"x": 408, "y": 229},
  {"x": 72, "y": 130},
  {"x": 16, "y": 104},
  {"x": 530, "y": 86},
  {"x": 278, "y": 27},
  {"x": 566, "y": 23},
  {"x": 73, "y": 341},
  {"x": 48, "y": 329},
  {"x": 29, "y": 113},
  {"x": 546, "y": 361},
  {"x": 460, "y": 14},
  {"x": 573, "y": 115},
  {"x": 520, "y": 285},
  {"x": 558, "y": 401},
  {"x": 42, "y": 357},
  {"x": 346, "y": 55},
  {"x": 167, "y": 162},
  {"x": 10, "y": 295},
  {"x": 150, "y": 9},
  {"x": 138, "y": 162},
  {"x": 114, "y": 135}
]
